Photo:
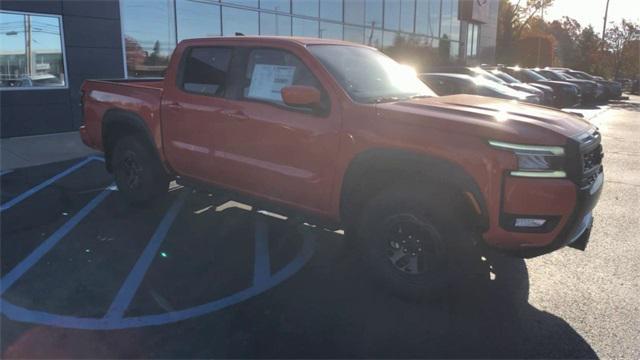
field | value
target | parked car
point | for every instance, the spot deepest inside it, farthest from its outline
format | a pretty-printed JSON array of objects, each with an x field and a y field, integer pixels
[
  {"x": 567, "y": 94},
  {"x": 548, "y": 94},
  {"x": 612, "y": 89},
  {"x": 475, "y": 71},
  {"x": 451, "y": 84},
  {"x": 592, "y": 92},
  {"x": 342, "y": 136}
]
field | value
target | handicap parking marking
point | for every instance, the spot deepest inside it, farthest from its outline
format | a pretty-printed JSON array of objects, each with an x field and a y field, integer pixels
[
  {"x": 5, "y": 172},
  {"x": 10, "y": 278},
  {"x": 9, "y": 204},
  {"x": 114, "y": 318},
  {"x": 131, "y": 284}
]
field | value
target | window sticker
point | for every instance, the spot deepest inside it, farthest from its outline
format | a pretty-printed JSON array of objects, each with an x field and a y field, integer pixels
[{"x": 268, "y": 80}]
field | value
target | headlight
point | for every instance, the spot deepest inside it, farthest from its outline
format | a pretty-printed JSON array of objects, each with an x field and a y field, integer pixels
[{"x": 534, "y": 160}]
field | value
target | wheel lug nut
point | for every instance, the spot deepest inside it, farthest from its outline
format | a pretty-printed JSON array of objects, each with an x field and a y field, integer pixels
[
  {"x": 413, "y": 254},
  {"x": 404, "y": 249}
]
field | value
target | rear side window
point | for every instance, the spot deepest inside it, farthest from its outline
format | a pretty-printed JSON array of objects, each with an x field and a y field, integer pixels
[
  {"x": 205, "y": 70},
  {"x": 269, "y": 70}
]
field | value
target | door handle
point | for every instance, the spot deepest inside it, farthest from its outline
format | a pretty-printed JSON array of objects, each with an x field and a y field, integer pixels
[
  {"x": 237, "y": 115},
  {"x": 174, "y": 106}
]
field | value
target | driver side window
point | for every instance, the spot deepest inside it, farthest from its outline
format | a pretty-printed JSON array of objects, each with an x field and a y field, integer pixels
[{"x": 270, "y": 70}]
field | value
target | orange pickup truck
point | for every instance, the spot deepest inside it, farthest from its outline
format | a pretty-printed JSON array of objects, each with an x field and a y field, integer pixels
[{"x": 343, "y": 135}]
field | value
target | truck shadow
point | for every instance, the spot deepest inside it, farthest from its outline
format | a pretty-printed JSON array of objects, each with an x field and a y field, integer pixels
[{"x": 486, "y": 314}]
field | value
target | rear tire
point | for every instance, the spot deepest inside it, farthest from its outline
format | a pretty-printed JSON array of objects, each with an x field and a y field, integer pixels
[
  {"x": 406, "y": 234},
  {"x": 140, "y": 177}
]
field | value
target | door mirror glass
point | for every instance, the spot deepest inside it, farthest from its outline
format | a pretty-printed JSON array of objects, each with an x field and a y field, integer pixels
[{"x": 301, "y": 96}]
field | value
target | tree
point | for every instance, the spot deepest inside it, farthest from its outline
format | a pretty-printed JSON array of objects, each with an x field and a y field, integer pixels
[
  {"x": 513, "y": 20},
  {"x": 620, "y": 45}
]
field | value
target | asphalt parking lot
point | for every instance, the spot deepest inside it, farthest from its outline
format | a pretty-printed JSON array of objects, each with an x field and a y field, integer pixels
[{"x": 84, "y": 275}]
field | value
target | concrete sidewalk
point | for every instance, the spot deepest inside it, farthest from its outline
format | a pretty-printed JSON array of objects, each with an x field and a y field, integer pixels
[{"x": 27, "y": 151}]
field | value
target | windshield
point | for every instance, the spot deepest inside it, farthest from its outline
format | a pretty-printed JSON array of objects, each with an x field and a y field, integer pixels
[
  {"x": 487, "y": 87},
  {"x": 532, "y": 75},
  {"x": 566, "y": 76},
  {"x": 368, "y": 75},
  {"x": 505, "y": 77},
  {"x": 582, "y": 76},
  {"x": 487, "y": 75}
]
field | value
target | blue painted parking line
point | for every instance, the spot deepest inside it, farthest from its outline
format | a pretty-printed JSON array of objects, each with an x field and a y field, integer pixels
[
  {"x": 5, "y": 172},
  {"x": 19, "y": 313},
  {"x": 262, "y": 262},
  {"x": 131, "y": 284},
  {"x": 9, "y": 204},
  {"x": 9, "y": 279}
]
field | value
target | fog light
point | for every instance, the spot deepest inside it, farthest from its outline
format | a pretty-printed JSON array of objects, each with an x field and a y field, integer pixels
[{"x": 529, "y": 223}]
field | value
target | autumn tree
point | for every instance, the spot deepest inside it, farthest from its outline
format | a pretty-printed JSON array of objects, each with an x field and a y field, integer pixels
[{"x": 622, "y": 47}]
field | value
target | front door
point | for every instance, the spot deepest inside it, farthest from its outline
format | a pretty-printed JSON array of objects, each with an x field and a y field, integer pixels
[{"x": 267, "y": 148}]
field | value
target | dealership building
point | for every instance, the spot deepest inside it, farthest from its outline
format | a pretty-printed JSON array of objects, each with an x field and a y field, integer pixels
[{"x": 47, "y": 48}]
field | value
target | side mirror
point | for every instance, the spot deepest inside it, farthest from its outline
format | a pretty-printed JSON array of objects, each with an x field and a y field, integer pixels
[{"x": 301, "y": 96}]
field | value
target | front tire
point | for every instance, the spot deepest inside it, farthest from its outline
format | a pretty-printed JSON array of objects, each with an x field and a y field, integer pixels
[
  {"x": 406, "y": 236},
  {"x": 140, "y": 177}
]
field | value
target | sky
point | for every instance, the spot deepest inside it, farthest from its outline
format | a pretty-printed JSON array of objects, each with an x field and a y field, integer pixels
[{"x": 592, "y": 11}]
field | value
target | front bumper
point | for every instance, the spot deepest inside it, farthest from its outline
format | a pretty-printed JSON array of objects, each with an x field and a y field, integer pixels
[
  {"x": 577, "y": 230},
  {"x": 566, "y": 204}
]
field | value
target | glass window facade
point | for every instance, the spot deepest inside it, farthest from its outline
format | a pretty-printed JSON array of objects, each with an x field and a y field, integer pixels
[
  {"x": 306, "y": 7},
  {"x": 373, "y": 13},
  {"x": 331, "y": 10},
  {"x": 354, "y": 12},
  {"x": 472, "y": 39},
  {"x": 305, "y": 27},
  {"x": 31, "y": 53},
  {"x": 152, "y": 32},
  {"x": 407, "y": 15},
  {"x": 197, "y": 19},
  {"x": 275, "y": 24}
]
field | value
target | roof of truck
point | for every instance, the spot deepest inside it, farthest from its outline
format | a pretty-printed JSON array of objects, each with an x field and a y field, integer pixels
[{"x": 274, "y": 39}]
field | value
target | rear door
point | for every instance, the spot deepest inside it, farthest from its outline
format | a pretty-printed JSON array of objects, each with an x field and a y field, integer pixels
[
  {"x": 267, "y": 148},
  {"x": 190, "y": 108}
]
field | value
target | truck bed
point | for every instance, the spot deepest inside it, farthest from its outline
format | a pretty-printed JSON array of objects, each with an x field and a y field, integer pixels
[{"x": 136, "y": 96}]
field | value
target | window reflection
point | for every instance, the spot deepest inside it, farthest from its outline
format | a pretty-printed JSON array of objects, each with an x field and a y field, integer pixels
[
  {"x": 239, "y": 21},
  {"x": 450, "y": 24},
  {"x": 354, "y": 34},
  {"x": 30, "y": 62},
  {"x": 251, "y": 3},
  {"x": 354, "y": 12},
  {"x": 330, "y": 30},
  {"x": 373, "y": 13},
  {"x": 277, "y": 5},
  {"x": 197, "y": 19},
  {"x": 149, "y": 35},
  {"x": 305, "y": 7},
  {"x": 373, "y": 37},
  {"x": 392, "y": 14},
  {"x": 407, "y": 13},
  {"x": 428, "y": 17},
  {"x": 272, "y": 24},
  {"x": 304, "y": 27},
  {"x": 331, "y": 9}
]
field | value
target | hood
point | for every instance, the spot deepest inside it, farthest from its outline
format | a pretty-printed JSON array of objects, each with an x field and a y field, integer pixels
[
  {"x": 526, "y": 88},
  {"x": 555, "y": 83},
  {"x": 512, "y": 119}
]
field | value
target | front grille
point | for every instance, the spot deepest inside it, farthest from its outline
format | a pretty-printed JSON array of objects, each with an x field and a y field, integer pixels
[{"x": 591, "y": 159}]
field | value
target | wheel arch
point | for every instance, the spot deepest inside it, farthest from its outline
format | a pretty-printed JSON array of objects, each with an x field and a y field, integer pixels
[
  {"x": 117, "y": 123},
  {"x": 372, "y": 170}
]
